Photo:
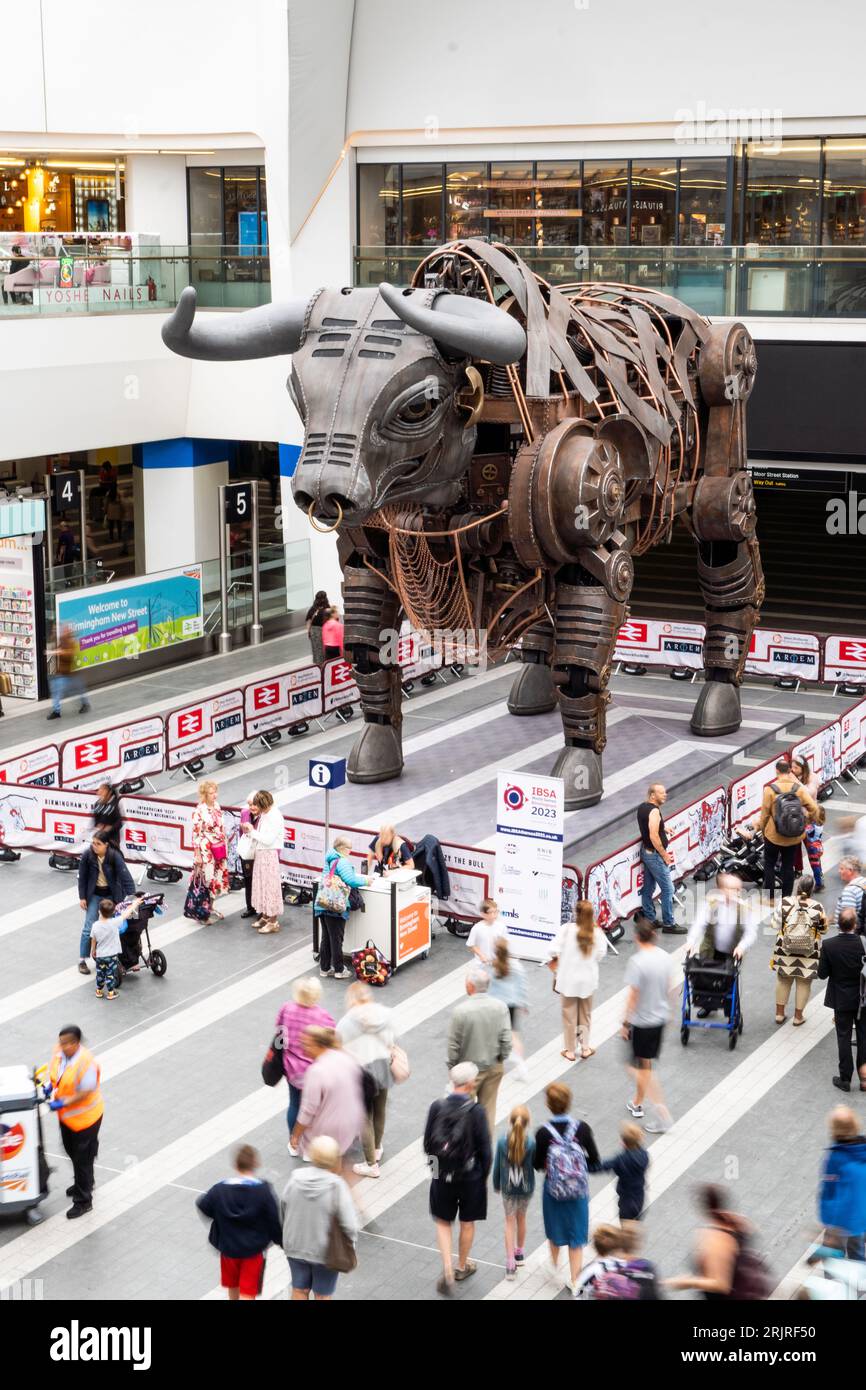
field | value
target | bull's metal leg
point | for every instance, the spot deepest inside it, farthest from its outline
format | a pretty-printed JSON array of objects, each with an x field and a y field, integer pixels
[
  {"x": 371, "y": 609},
  {"x": 533, "y": 691},
  {"x": 732, "y": 585},
  {"x": 587, "y": 618}
]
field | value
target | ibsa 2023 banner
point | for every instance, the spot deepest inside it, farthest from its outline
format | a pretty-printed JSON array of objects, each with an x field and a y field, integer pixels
[
  {"x": 530, "y": 820},
  {"x": 133, "y": 616}
]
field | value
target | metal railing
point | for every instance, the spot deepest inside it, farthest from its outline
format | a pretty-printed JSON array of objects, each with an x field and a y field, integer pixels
[
  {"x": 792, "y": 281},
  {"x": 118, "y": 274}
]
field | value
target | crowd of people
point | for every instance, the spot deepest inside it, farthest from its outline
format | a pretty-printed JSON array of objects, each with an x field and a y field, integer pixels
[{"x": 341, "y": 1072}]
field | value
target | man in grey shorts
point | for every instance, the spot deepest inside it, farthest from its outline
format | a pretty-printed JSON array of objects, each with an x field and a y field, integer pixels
[{"x": 648, "y": 978}]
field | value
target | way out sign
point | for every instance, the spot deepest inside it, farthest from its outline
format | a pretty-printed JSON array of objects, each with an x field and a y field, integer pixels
[{"x": 327, "y": 773}]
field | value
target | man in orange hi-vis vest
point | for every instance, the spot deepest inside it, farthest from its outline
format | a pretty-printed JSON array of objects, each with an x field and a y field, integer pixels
[{"x": 73, "y": 1091}]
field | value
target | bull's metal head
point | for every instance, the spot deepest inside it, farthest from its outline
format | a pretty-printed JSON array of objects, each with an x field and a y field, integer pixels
[{"x": 382, "y": 380}]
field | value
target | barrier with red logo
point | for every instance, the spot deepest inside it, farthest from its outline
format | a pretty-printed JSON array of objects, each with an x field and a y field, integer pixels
[
  {"x": 195, "y": 730},
  {"x": 647, "y": 642},
  {"x": 39, "y": 768},
  {"x": 785, "y": 654},
  {"x": 844, "y": 660},
  {"x": 45, "y": 818},
  {"x": 822, "y": 751},
  {"x": 283, "y": 700},
  {"x": 126, "y": 750},
  {"x": 416, "y": 654},
  {"x": 695, "y": 832},
  {"x": 852, "y": 734},
  {"x": 746, "y": 793},
  {"x": 339, "y": 686}
]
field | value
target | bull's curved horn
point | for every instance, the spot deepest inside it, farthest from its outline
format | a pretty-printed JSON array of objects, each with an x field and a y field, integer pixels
[
  {"x": 269, "y": 331},
  {"x": 463, "y": 324}
]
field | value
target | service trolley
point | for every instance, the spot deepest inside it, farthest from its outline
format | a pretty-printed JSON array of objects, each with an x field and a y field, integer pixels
[{"x": 23, "y": 1166}]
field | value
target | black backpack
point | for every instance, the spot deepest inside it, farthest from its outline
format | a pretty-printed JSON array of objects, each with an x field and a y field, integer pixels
[
  {"x": 451, "y": 1143},
  {"x": 789, "y": 813}
]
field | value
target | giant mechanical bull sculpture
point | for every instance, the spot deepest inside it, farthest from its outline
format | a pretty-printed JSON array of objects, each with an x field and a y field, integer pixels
[{"x": 492, "y": 451}]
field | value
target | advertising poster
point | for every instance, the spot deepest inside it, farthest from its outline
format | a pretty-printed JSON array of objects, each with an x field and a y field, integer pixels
[
  {"x": 646, "y": 642},
  {"x": 126, "y": 751},
  {"x": 530, "y": 820},
  {"x": 845, "y": 660},
  {"x": 132, "y": 616},
  {"x": 283, "y": 700},
  {"x": 822, "y": 750},
  {"x": 196, "y": 730},
  {"x": 340, "y": 687},
  {"x": 38, "y": 768},
  {"x": 18, "y": 644},
  {"x": 747, "y": 792},
  {"x": 853, "y": 734},
  {"x": 796, "y": 654}
]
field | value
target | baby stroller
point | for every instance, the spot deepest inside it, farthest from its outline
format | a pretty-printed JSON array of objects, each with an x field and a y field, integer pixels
[
  {"x": 712, "y": 985},
  {"x": 132, "y": 951}
]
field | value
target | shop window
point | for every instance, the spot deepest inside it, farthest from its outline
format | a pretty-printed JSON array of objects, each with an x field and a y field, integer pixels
[
  {"x": 465, "y": 201},
  {"x": 511, "y": 204},
  {"x": 422, "y": 204},
  {"x": 703, "y": 199},
  {"x": 557, "y": 203},
  {"x": 205, "y": 205},
  {"x": 379, "y": 204},
  {"x": 844, "y": 192},
  {"x": 241, "y": 209},
  {"x": 781, "y": 198},
  {"x": 653, "y": 204},
  {"x": 605, "y": 203}
]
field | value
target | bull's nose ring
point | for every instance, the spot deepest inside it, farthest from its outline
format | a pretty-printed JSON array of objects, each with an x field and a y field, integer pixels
[{"x": 325, "y": 530}]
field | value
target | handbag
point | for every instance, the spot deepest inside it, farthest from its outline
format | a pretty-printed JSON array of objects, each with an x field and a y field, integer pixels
[
  {"x": 246, "y": 847},
  {"x": 333, "y": 894},
  {"x": 399, "y": 1065},
  {"x": 272, "y": 1066},
  {"x": 198, "y": 899},
  {"x": 340, "y": 1256},
  {"x": 219, "y": 852},
  {"x": 370, "y": 966}
]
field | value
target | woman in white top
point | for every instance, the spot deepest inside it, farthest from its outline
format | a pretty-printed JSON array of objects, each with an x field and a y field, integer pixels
[
  {"x": 487, "y": 931},
  {"x": 575, "y": 953},
  {"x": 267, "y": 836}
]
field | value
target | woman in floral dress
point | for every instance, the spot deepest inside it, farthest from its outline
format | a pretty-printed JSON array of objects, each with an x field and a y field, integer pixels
[{"x": 210, "y": 850}]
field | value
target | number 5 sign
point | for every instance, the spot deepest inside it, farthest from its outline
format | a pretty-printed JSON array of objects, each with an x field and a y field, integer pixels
[{"x": 239, "y": 502}]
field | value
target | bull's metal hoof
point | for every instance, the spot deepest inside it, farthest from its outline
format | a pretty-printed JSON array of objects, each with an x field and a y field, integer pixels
[
  {"x": 377, "y": 755},
  {"x": 717, "y": 710},
  {"x": 533, "y": 692},
  {"x": 580, "y": 770}
]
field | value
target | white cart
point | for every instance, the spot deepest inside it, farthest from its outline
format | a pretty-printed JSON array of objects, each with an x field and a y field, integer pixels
[
  {"x": 23, "y": 1169},
  {"x": 397, "y": 919}
]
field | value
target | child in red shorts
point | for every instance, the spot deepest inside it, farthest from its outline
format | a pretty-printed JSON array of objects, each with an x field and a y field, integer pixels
[{"x": 245, "y": 1220}]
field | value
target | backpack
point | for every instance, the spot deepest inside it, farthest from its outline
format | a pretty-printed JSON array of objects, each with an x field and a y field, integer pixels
[
  {"x": 333, "y": 894},
  {"x": 451, "y": 1143},
  {"x": 751, "y": 1281},
  {"x": 789, "y": 813},
  {"x": 797, "y": 938},
  {"x": 565, "y": 1168},
  {"x": 625, "y": 1281}
]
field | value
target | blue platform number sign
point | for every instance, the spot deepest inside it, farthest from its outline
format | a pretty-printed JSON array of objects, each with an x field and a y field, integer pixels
[{"x": 327, "y": 773}]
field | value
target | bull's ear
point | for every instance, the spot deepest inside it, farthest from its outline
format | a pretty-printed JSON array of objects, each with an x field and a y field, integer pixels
[
  {"x": 269, "y": 331},
  {"x": 460, "y": 324}
]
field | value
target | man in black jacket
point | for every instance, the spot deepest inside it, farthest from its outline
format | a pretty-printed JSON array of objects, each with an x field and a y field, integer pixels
[
  {"x": 840, "y": 963},
  {"x": 457, "y": 1145},
  {"x": 102, "y": 873}
]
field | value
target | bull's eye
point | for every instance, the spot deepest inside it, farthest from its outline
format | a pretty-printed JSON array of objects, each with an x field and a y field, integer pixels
[{"x": 415, "y": 410}]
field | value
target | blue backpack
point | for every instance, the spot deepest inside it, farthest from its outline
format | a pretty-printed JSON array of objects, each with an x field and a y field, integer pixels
[{"x": 565, "y": 1168}]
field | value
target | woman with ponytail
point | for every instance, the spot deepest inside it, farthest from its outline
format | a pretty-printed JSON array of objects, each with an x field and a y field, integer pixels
[
  {"x": 575, "y": 953},
  {"x": 508, "y": 983},
  {"x": 514, "y": 1177}
]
